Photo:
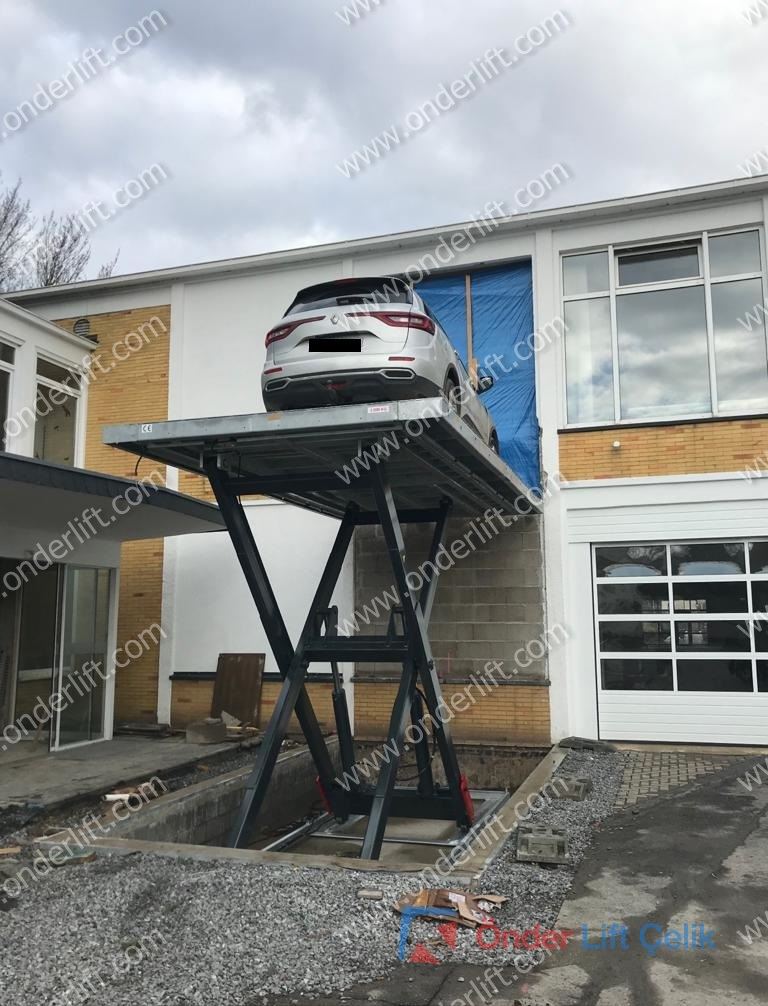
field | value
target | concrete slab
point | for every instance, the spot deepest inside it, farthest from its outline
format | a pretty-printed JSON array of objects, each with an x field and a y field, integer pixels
[{"x": 54, "y": 779}]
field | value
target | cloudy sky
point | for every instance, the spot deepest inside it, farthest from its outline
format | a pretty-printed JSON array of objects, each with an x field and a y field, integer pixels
[{"x": 248, "y": 106}]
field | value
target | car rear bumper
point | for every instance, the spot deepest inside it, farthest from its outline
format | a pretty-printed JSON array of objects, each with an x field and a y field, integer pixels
[{"x": 345, "y": 387}]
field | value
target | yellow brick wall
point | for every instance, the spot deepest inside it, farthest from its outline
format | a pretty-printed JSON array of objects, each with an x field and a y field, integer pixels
[
  {"x": 197, "y": 486},
  {"x": 517, "y": 714},
  {"x": 191, "y": 700},
  {"x": 320, "y": 695},
  {"x": 675, "y": 449},
  {"x": 128, "y": 390}
]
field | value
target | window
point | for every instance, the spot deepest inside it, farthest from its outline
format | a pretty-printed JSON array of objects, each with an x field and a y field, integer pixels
[
  {"x": 341, "y": 293},
  {"x": 58, "y": 391},
  {"x": 7, "y": 359},
  {"x": 671, "y": 331},
  {"x": 683, "y": 617}
]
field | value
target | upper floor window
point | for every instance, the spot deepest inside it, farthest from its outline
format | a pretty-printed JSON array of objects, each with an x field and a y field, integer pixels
[
  {"x": 666, "y": 331},
  {"x": 58, "y": 393},
  {"x": 7, "y": 359}
]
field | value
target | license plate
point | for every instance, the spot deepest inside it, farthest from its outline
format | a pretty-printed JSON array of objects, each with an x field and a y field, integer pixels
[{"x": 331, "y": 345}]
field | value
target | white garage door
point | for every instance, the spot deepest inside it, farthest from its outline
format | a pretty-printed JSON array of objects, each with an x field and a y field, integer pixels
[{"x": 681, "y": 632}]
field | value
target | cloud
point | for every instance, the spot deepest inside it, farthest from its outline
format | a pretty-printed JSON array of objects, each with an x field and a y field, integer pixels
[{"x": 250, "y": 107}]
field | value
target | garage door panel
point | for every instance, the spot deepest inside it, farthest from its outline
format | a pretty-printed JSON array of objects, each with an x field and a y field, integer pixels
[{"x": 671, "y": 620}]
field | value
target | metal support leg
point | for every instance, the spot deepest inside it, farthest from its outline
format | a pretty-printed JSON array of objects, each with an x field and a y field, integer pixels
[
  {"x": 385, "y": 786},
  {"x": 293, "y": 685},
  {"x": 426, "y": 782},
  {"x": 261, "y": 590},
  {"x": 340, "y": 708},
  {"x": 418, "y": 641}
]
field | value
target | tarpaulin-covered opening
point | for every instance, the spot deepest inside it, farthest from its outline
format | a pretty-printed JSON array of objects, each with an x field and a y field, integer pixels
[{"x": 488, "y": 316}]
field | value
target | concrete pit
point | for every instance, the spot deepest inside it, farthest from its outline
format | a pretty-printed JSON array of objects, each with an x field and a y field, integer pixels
[{"x": 196, "y": 821}]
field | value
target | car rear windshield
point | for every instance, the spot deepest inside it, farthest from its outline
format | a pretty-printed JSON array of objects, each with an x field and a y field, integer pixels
[{"x": 378, "y": 292}]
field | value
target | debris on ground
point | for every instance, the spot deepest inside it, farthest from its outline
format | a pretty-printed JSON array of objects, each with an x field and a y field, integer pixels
[
  {"x": 469, "y": 910},
  {"x": 207, "y": 731},
  {"x": 587, "y": 744},
  {"x": 370, "y": 894}
]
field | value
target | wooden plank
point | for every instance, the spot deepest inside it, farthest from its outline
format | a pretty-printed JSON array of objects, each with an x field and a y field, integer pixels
[{"x": 237, "y": 689}]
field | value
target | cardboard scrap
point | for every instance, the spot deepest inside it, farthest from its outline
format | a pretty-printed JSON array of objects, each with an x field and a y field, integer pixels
[{"x": 472, "y": 910}]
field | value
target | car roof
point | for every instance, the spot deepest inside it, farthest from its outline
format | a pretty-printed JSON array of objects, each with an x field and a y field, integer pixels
[{"x": 350, "y": 283}]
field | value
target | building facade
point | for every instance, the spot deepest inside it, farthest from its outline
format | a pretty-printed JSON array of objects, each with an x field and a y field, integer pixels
[
  {"x": 633, "y": 609},
  {"x": 62, "y": 534}
]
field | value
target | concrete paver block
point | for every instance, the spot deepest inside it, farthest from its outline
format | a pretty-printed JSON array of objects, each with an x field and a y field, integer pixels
[
  {"x": 573, "y": 787},
  {"x": 537, "y": 843}
]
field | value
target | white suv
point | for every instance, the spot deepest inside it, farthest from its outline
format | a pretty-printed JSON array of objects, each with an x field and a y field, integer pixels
[{"x": 367, "y": 340}]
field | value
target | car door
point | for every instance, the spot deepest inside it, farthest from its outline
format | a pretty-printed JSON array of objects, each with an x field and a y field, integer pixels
[{"x": 473, "y": 409}]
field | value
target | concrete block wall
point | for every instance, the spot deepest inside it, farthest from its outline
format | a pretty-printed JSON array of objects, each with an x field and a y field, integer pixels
[
  {"x": 489, "y": 606},
  {"x": 203, "y": 814}
]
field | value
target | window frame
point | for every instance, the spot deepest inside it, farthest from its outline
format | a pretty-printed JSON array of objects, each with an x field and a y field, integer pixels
[
  {"x": 751, "y": 617},
  {"x": 10, "y": 370},
  {"x": 75, "y": 394},
  {"x": 614, "y": 291}
]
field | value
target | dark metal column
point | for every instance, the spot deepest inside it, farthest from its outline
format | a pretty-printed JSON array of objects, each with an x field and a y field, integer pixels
[
  {"x": 418, "y": 641},
  {"x": 293, "y": 685},
  {"x": 340, "y": 707},
  {"x": 266, "y": 603}
]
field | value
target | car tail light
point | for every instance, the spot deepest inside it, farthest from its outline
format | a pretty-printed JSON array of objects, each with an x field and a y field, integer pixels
[
  {"x": 402, "y": 359},
  {"x": 283, "y": 331},
  {"x": 400, "y": 319}
]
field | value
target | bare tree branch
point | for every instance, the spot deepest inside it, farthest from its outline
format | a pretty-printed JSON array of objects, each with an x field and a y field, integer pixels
[
  {"x": 61, "y": 251},
  {"x": 107, "y": 268},
  {"x": 57, "y": 252},
  {"x": 16, "y": 223}
]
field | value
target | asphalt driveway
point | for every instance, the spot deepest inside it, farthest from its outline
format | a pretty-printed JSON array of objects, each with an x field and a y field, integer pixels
[{"x": 660, "y": 909}]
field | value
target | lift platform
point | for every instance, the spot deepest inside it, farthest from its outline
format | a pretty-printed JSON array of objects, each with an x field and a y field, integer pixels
[{"x": 385, "y": 464}]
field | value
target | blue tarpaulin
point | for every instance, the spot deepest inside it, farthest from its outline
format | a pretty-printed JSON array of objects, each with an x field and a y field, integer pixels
[{"x": 502, "y": 322}]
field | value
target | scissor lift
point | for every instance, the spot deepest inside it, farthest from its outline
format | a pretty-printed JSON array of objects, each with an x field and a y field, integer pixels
[{"x": 385, "y": 465}]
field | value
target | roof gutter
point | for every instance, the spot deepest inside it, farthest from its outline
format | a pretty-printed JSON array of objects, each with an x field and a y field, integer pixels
[{"x": 565, "y": 215}]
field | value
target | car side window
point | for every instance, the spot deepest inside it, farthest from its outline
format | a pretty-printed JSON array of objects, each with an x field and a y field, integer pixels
[{"x": 430, "y": 313}]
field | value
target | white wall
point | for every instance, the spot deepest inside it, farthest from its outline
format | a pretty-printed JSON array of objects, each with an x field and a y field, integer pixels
[
  {"x": 208, "y": 609},
  {"x": 218, "y": 328},
  {"x": 573, "y": 705}
]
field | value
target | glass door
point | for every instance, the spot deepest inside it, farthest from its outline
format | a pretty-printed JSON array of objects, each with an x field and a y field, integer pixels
[
  {"x": 9, "y": 634},
  {"x": 36, "y": 654},
  {"x": 83, "y": 670}
]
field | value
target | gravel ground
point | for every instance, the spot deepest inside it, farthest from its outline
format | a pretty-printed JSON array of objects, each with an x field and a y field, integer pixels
[{"x": 142, "y": 929}]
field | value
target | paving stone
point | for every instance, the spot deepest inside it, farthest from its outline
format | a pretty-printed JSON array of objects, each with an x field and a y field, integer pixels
[{"x": 650, "y": 773}]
